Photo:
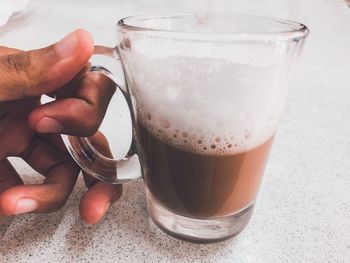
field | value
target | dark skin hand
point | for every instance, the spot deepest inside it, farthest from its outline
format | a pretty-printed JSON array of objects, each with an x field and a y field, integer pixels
[{"x": 31, "y": 131}]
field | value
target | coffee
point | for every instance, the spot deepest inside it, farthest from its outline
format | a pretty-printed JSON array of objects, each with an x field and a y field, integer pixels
[
  {"x": 198, "y": 185},
  {"x": 205, "y": 137}
]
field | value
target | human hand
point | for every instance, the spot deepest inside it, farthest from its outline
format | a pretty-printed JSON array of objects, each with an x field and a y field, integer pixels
[{"x": 30, "y": 130}]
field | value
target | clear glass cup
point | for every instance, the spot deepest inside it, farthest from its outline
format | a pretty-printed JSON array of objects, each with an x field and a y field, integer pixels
[{"x": 206, "y": 92}]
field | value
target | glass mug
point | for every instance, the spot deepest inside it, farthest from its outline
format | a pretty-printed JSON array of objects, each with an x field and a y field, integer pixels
[{"x": 205, "y": 92}]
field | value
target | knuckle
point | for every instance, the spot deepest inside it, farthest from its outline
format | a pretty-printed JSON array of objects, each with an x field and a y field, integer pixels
[
  {"x": 103, "y": 88},
  {"x": 17, "y": 67},
  {"x": 85, "y": 129},
  {"x": 19, "y": 62},
  {"x": 92, "y": 122},
  {"x": 91, "y": 127},
  {"x": 98, "y": 79}
]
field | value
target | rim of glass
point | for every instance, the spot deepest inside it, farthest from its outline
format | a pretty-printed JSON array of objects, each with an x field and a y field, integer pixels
[{"x": 294, "y": 30}]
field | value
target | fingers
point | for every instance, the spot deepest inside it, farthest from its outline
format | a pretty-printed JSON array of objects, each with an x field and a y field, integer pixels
[
  {"x": 41, "y": 71},
  {"x": 61, "y": 174},
  {"x": 8, "y": 176},
  {"x": 96, "y": 201},
  {"x": 47, "y": 197},
  {"x": 81, "y": 114}
]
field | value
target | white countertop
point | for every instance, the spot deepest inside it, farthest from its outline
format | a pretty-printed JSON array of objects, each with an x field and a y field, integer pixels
[{"x": 303, "y": 210}]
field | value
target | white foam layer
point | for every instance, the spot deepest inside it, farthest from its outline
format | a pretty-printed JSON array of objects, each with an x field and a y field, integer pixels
[
  {"x": 254, "y": 54},
  {"x": 206, "y": 105}
]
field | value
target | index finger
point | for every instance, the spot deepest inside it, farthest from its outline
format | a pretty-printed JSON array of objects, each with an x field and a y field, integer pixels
[{"x": 79, "y": 114}]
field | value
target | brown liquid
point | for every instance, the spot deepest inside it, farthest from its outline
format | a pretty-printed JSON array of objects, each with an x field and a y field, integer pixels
[{"x": 198, "y": 185}]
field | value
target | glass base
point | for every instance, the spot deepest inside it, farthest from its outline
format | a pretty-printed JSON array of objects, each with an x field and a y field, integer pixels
[{"x": 194, "y": 229}]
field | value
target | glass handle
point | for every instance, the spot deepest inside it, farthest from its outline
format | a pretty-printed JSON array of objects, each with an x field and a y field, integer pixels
[{"x": 94, "y": 160}]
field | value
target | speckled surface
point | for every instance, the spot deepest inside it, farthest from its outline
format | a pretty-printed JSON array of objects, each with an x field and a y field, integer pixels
[{"x": 303, "y": 210}]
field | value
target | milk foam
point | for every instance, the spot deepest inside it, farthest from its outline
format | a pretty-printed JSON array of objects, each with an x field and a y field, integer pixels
[{"x": 206, "y": 105}]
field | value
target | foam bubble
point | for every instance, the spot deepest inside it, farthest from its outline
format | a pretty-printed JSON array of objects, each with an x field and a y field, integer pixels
[{"x": 206, "y": 105}]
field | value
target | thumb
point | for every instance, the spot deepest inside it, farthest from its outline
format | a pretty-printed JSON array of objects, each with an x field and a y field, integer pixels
[{"x": 41, "y": 71}]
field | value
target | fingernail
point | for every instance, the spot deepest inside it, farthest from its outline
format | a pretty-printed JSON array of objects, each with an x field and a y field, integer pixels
[
  {"x": 66, "y": 47},
  {"x": 48, "y": 125},
  {"x": 26, "y": 206}
]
